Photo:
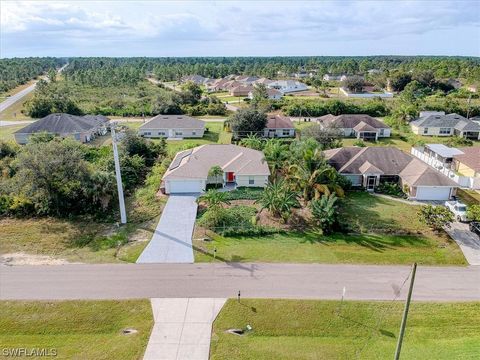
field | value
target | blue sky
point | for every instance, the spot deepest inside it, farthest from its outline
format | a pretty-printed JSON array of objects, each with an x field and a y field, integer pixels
[{"x": 239, "y": 28}]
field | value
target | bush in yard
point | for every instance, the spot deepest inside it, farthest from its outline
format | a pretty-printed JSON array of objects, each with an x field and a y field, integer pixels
[
  {"x": 392, "y": 189},
  {"x": 359, "y": 143},
  {"x": 235, "y": 218},
  {"x": 247, "y": 121},
  {"x": 435, "y": 217},
  {"x": 279, "y": 199},
  {"x": 324, "y": 212},
  {"x": 473, "y": 212},
  {"x": 245, "y": 193}
]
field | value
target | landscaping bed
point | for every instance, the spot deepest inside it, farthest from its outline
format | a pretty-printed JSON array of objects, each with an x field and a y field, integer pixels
[{"x": 306, "y": 329}]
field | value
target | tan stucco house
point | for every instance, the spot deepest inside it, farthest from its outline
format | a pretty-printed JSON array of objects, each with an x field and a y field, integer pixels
[
  {"x": 172, "y": 126},
  {"x": 446, "y": 125}
]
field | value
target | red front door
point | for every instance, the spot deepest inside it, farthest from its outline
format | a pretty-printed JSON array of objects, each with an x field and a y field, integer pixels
[{"x": 230, "y": 177}]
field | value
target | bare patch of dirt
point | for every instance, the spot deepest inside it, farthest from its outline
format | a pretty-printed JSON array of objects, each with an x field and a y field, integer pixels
[{"x": 14, "y": 259}]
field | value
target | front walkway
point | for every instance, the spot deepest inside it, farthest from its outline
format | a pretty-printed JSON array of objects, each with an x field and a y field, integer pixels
[
  {"x": 182, "y": 328},
  {"x": 468, "y": 241},
  {"x": 172, "y": 240}
]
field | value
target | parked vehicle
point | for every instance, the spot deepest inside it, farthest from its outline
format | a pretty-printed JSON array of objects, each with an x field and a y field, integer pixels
[
  {"x": 458, "y": 209},
  {"x": 475, "y": 227}
]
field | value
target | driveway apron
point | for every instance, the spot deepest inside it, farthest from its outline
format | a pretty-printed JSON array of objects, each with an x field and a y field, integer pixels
[{"x": 172, "y": 240}]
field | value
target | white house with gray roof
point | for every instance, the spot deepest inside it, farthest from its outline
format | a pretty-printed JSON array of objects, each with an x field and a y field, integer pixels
[
  {"x": 446, "y": 125},
  {"x": 80, "y": 128},
  {"x": 172, "y": 127},
  {"x": 188, "y": 172}
]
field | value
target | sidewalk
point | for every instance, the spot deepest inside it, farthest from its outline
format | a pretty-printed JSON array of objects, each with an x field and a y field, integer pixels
[{"x": 182, "y": 328}]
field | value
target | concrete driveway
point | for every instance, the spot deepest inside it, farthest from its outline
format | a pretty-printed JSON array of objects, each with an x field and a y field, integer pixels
[
  {"x": 467, "y": 240},
  {"x": 172, "y": 240}
]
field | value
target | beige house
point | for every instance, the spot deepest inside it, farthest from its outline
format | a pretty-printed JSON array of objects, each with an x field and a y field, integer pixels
[
  {"x": 188, "y": 172},
  {"x": 361, "y": 126},
  {"x": 468, "y": 163},
  {"x": 242, "y": 90},
  {"x": 279, "y": 126},
  {"x": 446, "y": 125},
  {"x": 368, "y": 167},
  {"x": 173, "y": 127}
]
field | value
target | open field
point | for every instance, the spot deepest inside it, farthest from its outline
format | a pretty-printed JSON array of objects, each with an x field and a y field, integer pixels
[
  {"x": 77, "y": 329},
  {"x": 6, "y": 132},
  {"x": 294, "y": 329},
  {"x": 383, "y": 232},
  {"x": 14, "y": 112}
]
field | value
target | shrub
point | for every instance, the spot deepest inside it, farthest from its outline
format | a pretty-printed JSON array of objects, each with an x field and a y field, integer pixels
[
  {"x": 473, "y": 212},
  {"x": 435, "y": 216},
  {"x": 392, "y": 189},
  {"x": 236, "y": 218},
  {"x": 359, "y": 143},
  {"x": 244, "y": 193}
]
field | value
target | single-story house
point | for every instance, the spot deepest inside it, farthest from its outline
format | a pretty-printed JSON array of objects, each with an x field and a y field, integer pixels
[
  {"x": 246, "y": 79},
  {"x": 242, "y": 90},
  {"x": 446, "y": 125},
  {"x": 468, "y": 163},
  {"x": 368, "y": 167},
  {"x": 197, "y": 79},
  {"x": 188, "y": 172},
  {"x": 287, "y": 86},
  {"x": 81, "y": 128},
  {"x": 361, "y": 126},
  {"x": 272, "y": 94},
  {"x": 172, "y": 126},
  {"x": 279, "y": 126}
]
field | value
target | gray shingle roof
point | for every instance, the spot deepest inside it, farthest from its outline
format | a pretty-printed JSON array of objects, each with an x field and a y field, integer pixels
[
  {"x": 60, "y": 123},
  {"x": 350, "y": 121},
  {"x": 197, "y": 163},
  {"x": 173, "y": 122},
  {"x": 450, "y": 120}
]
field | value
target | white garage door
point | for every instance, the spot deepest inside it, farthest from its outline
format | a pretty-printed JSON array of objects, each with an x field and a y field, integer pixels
[
  {"x": 181, "y": 186},
  {"x": 433, "y": 193}
]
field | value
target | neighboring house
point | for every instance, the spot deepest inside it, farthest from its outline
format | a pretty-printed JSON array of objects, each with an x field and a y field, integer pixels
[
  {"x": 242, "y": 90},
  {"x": 361, "y": 126},
  {"x": 188, "y": 172},
  {"x": 272, "y": 94},
  {"x": 446, "y": 125},
  {"x": 172, "y": 126},
  {"x": 287, "y": 86},
  {"x": 197, "y": 79},
  {"x": 440, "y": 155},
  {"x": 264, "y": 81},
  {"x": 279, "y": 126},
  {"x": 81, "y": 128},
  {"x": 369, "y": 167},
  {"x": 426, "y": 113},
  {"x": 246, "y": 79},
  {"x": 468, "y": 163},
  {"x": 330, "y": 77}
]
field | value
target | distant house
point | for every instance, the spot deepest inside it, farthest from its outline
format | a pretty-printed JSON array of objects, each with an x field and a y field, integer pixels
[
  {"x": 468, "y": 163},
  {"x": 197, "y": 79},
  {"x": 287, "y": 86},
  {"x": 264, "y": 81},
  {"x": 272, "y": 94},
  {"x": 172, "y": 126},
  {"x": 446, "y": 125},
  {"x": 188, "y": 172},
  {"x": 361, "y": 126},
  {"x": 246, "y": 79},
  {"x": 330, "y": 77},
  {"x": 369, "y": 167},
  {"x": 279, "y": 126},
  {"x": 81, "y": 128},
  {"x": 242, "y": 90}
]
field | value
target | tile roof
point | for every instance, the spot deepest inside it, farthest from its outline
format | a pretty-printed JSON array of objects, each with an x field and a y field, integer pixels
[
  {"x": 197, "y": 163},
  {"x": 173, "y": 122}
]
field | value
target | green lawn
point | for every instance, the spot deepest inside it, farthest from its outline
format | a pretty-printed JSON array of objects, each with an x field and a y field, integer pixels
[
  {"x": 13, "y": 112},
  {"x": 305, "y": 329},
  {"x": 6, "y": 132},
  {"x": 383, "y": 232},
  {"x": 77, "y": 329}
]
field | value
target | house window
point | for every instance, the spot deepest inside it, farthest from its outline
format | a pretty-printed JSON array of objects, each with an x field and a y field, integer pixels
[
  {"x": 425, "y": 130},
  {"x": 147, "y": 133},
  {"x": 382, "y": 131},
  {"x": 251, "y": 180},
  {"x": 178, "y": 133},
  {"x": 444, "y": 131},
  {"x": 286, "y": 132},
  {"x": 194, "y": 133},
  {"x": 161, "y": 133}
]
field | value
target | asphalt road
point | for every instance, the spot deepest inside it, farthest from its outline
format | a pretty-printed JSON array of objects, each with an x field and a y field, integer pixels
[
  {"x": 16, "y": 97},
  {"x": 303, "y": 281}
]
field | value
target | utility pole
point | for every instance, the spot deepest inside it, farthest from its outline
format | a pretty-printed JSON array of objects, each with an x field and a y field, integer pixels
[
  {"x": 121, "y": 200},
  {"x": 405, "y": 313}
]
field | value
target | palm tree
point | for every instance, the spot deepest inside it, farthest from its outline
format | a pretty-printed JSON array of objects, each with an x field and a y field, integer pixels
[
  {"x": 276, "y": 155},
  {"x": 252, "y": 141},
  {"x": 216, "y": 173},
  {"x": 214, "y": 199},
  {"x": 279, "y": 199}
]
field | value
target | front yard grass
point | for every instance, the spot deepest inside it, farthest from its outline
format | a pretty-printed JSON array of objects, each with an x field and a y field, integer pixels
[
  {"x": 6, "y": 132},
  {"x": 383, "y": 231},
  {"x": 77, "y": 329},
  {"x": 311, "y": 329}
]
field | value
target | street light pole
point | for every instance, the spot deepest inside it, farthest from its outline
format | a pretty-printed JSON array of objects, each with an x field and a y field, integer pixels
[{"x": 121, "y": 200}]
